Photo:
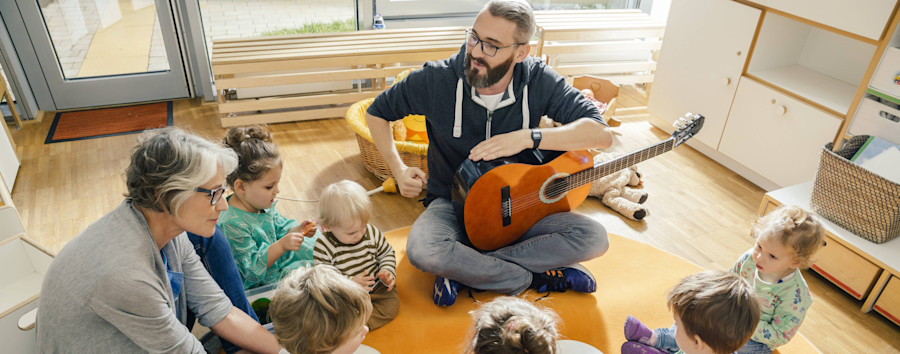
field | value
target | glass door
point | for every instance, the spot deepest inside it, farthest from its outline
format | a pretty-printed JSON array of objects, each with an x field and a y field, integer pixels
[{"x": 105, "y": 52}]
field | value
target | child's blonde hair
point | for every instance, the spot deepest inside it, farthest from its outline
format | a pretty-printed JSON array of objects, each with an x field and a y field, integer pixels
[
  {"x": 794, "y": 227},
  {"x": 720, "y": 307},
  {"x": 510, "y": 324},
  {"x": 256, "y": 152},
  {"x": 342, "y": 203},
  {"x": 315, "y": 310}
]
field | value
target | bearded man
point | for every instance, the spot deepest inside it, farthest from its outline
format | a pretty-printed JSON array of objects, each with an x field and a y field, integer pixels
[{"x": 484, "y": 103}]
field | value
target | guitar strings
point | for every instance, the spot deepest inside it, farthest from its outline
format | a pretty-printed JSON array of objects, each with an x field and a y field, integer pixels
[{"x": 532, "y": 197}]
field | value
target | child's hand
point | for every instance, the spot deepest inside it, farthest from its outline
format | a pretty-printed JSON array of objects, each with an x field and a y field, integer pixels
[
  {"x": 387, "y": 278},
  {"x": 367, "y": 281},
  {"x": 291, "y": 241},
  {"x": 308, "y": 228}
]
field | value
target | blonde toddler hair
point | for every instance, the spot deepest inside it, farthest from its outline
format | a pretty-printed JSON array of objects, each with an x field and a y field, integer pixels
[
  {"x": 342, "y": 203},
  {"x": 513, "y": 325},
  {"x": 720, "y": 307},
  {"x": 315, "y": 310},
  {"x": 794, "y": 227}
]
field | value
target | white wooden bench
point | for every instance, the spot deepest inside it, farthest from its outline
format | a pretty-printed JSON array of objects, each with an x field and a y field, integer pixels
[
  {"x": 616, "y": 45},
  {"x": 288, "y": 72}
]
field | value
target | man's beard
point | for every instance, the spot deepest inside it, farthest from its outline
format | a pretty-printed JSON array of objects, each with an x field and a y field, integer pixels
[{"x": 492, "y": 75}]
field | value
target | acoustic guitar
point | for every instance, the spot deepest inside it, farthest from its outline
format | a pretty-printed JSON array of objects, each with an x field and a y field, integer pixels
[{"x": 497, "y": 201}]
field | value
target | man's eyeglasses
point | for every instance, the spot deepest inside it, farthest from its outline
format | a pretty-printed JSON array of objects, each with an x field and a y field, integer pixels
[
  {"x": 214, "y": 195},
  {"x": 486, "y": 48}
]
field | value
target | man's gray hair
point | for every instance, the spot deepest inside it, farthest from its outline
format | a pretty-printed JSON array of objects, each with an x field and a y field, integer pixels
[
  {"x": 515, "y": 11},
  {"x": 169, "y": 163}
]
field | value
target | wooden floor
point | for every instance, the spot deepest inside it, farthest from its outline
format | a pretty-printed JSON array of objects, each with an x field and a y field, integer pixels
[{"x": 699, "y": 210}]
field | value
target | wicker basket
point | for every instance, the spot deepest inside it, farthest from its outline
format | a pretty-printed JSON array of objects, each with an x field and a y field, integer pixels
[
  {"x": 412, "y": 153},
  {"x": 854, "y": 198}
]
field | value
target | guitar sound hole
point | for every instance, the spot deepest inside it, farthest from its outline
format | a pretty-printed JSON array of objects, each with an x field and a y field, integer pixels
[{"x": 555, "y": 188}]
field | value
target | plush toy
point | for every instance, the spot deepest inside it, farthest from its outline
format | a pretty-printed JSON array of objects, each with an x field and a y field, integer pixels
[
  {"x": 614, "y": 191},
  {"x": 399, "y": 130}
]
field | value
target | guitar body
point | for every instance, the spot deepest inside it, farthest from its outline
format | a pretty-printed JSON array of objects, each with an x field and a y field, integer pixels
[{"x": 501, "y": 200}]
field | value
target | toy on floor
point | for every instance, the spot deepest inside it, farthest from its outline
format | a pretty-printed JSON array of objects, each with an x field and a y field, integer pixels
[{"x": 615, "y": 191}]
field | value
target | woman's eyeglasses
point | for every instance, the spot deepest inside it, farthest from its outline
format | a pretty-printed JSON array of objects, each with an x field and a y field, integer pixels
[
  {"x": 214, "y": 195},
  {"x": 486, "y": 48}
]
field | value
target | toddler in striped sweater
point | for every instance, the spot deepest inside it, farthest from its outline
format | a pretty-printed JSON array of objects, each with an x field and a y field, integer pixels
[{"x": 356, "y": 248}]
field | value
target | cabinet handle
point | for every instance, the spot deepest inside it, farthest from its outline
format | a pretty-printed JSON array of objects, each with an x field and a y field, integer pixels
[
  {"x": 726, "y": 81},
  {"x": 739, "y": 53},
  {"x": 889, "y": 116},
  {"x": 780, "y": 110}
]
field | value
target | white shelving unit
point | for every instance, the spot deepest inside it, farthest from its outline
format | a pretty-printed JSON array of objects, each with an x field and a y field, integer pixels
[{"x": 776, "y": 80}]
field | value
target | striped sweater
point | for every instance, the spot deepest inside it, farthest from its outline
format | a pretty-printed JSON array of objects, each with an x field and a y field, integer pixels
[{"x": 369, "y": 256}]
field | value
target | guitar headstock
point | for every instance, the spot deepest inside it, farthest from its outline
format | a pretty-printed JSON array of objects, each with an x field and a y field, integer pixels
[{"x": 687, "y": 127}]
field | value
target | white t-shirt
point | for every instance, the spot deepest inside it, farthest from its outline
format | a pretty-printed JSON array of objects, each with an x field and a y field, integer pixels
[{"x": 491, "y": 101}]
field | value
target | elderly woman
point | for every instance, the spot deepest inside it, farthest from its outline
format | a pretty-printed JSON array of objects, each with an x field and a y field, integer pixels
[{"x": 125, "y": 283}]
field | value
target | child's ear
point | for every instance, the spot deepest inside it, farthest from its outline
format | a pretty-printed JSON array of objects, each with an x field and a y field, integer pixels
[
  {"x": 239, "y": 186},
  {"x": 701, "y": 346},
  {"x": 796, "y": 263}
]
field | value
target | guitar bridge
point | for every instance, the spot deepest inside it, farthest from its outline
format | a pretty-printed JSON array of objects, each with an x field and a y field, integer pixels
[{"x": 505, "y": 206}]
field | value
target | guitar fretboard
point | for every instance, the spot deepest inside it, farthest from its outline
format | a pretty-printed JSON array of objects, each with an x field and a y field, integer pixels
[{"x": 604, "y": 168}]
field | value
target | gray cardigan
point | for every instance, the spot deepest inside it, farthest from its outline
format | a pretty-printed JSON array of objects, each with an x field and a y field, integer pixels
[{"x": 108, "y": 292}]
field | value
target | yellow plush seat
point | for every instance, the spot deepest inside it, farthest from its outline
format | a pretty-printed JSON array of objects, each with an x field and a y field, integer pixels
[{"x": 413, "y": 153}]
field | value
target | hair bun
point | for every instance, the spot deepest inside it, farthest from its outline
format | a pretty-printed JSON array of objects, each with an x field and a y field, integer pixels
[{"x": 238, "y": 135}]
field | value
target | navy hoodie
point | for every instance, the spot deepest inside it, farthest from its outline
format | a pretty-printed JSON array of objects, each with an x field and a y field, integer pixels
[{"x": 456, "y": 119}]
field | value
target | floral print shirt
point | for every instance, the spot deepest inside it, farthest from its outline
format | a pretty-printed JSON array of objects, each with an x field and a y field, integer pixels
[{"x": 783, "y": 304}]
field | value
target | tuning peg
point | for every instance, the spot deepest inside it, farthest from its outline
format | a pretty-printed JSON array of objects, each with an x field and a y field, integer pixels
[{"x": 688, "y": 115}]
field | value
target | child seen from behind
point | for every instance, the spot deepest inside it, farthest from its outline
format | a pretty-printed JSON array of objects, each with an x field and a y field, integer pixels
[
  {"x": 356, "y": 248},
  {"x": 266, "y": 245},
  {"x": 786, "y": 240},
  {"x": 715, "y": 312},
  {"x": 513, "y": 325},
  {"x": 318, "y": 311}
]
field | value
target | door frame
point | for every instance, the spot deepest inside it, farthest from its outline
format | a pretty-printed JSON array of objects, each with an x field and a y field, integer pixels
[{"x": 33, "y": 90}]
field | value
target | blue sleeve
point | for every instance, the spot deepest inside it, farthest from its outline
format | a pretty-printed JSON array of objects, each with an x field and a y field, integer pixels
[
  {"x": 410, "y": 96},
  {"x": 565, "y": 103}
]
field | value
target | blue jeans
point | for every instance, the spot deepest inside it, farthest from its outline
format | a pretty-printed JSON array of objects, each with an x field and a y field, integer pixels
[
  {"x": 665, "y": 339},
  {"x": 754, "y": 347},
  {"x": 438, "y": 244},
  {"x": 215, "y": 253}
]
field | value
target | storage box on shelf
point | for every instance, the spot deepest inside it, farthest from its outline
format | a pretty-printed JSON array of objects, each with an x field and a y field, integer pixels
[
  {"x": 866, "y": 270},
  {"x": 616, "y": 45},
  {"x": 316, "y": 76},
  {"x": 792, "y": 94}
]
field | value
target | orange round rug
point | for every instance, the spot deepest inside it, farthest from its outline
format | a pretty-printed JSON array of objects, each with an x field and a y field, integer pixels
[{"x": 633, "y": 278}]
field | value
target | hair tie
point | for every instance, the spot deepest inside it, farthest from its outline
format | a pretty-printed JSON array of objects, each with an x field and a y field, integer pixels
[
  {"x": 246, "y": 136},
  {"x": 511, "y": 326}
]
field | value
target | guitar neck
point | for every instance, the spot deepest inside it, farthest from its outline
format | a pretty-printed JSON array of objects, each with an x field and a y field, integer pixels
[{"x": 604, "y": 168}]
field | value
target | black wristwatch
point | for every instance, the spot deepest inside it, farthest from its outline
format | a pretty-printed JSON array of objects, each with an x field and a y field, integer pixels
[{"x": 536, "y": 137}]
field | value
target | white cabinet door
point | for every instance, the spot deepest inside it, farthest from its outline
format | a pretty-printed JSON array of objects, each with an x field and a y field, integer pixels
[
  {"x": 865, "y": 18},
  {"x": 781, "y": 141},
  {"x": 701, "y": 60},
  {"x": 9, "y": 163}
]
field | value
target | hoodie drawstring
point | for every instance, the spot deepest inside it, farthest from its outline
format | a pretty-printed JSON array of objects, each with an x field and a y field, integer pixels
[{"x": 457, "y": 121}]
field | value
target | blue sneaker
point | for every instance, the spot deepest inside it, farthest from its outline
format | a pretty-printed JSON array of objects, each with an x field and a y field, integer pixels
[
  {"x": 445, "y": 290},
  {"x": 575, "y": 277}
]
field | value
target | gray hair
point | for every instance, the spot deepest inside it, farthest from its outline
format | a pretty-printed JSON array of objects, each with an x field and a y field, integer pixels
[
  {"x": 515, "y": 11},
  {"x": 168, "y": 164}
]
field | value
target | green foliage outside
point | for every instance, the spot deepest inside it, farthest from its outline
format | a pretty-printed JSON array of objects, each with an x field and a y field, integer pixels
[{"x": 316, "y": 27}]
